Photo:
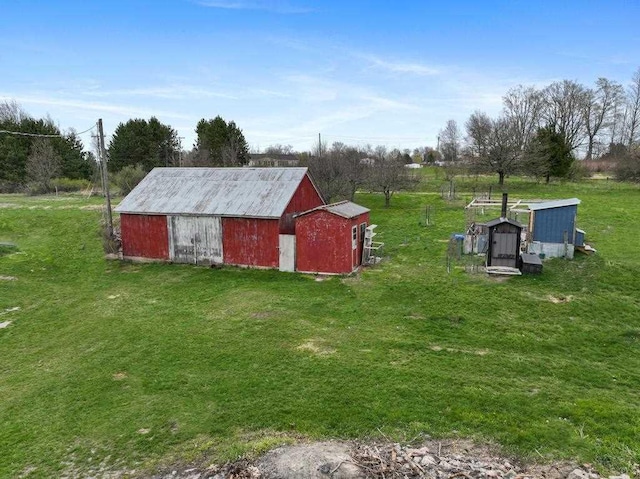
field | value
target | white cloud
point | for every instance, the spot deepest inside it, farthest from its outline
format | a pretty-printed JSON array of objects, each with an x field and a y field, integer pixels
[
  {"x": 265, "y": 5},
  {"x": 174, "y": 92},
  {"x": 415, "y": 68},
  {"x": 122, "y": 110}
]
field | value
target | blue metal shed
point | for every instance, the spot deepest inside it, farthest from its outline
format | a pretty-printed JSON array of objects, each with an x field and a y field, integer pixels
[{"x": 551, "y": 223}]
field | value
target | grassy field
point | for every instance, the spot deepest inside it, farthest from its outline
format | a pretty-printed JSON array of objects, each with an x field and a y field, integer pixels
[{"x": 118, "y": 365}]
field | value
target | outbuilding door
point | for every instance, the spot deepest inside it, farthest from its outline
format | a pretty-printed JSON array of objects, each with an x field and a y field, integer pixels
[
  {"x": 287, "y": 248},
  {"x": 354, "y": 247},
  {"x": 504, "y": 249},
  {"x": 195, "y": 239}
]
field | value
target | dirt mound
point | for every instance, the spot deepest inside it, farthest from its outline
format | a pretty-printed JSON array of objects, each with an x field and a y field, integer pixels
[{"x": 352, "y": 460}]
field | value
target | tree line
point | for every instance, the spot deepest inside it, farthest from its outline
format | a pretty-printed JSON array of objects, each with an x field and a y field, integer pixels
[
  {"x": 35, "y": 154},
  {"x": 148, "y": 144},
  {"x": 340, "y": 170},
  {"x": 541, "y": 132},
  {"x": 36, "y": 160}
]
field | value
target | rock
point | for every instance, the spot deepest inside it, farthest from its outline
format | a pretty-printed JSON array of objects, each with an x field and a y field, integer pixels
[
  {"x": 309, "y": 461},
  {"x": 578, "y": 474},
  {"x": 428, "y": 460},
  {"x": 418, "y": 452},
  {"x": 4, "y": 324},
  {"x": 621, "y": 476}
]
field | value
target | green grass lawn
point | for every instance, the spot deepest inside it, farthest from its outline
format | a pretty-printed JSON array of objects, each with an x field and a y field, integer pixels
[{"x": 130, "y": 365}]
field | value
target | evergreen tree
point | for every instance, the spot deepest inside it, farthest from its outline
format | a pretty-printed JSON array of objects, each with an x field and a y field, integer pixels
[
  {"x": 15, "y": 149},
  {"x": 549, "y": 154},
  {"x": 220, "y": 143},
  {"x": 145, "y": 143}
]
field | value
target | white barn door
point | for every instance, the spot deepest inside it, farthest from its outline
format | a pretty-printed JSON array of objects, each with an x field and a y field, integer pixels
[
  {"x": 287, "y": 252},
  {"x": 195, "y": 239}
]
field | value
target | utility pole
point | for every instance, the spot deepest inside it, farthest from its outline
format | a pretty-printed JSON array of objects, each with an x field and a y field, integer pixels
[
  {"x": 96, "y": 143},
  {"x": 105, "y": 176}
]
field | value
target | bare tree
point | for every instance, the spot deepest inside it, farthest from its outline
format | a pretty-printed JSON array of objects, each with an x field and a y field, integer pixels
[
  {"x": 599, "y": 109},
  {"x": 523, "y": 107},
  {"x": 633, "y": 110},
  {"x": 564, "y": 110},
  {"x": 388, "y": 174},
  {"x": 628, "y": 165},
  {"x": 494, "y": 145},
  {"x": 479, "y": 128},
  {"x": 11, "y": 111},
  {"x": 279, "y": 149},
  {"x": 43, "y": 164},
  {"x": 327, "y": 170},
  {"x": 450, "y": 142},
  {"x": 231, "y": 151},
  {"x": 356, "y": 171}
]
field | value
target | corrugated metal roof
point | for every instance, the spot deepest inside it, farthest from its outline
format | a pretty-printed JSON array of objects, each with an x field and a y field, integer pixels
[
  {"x": 346, "y": 209},
  {"x": 545, "y": 205},
  {"x": 248, "y": 192}
]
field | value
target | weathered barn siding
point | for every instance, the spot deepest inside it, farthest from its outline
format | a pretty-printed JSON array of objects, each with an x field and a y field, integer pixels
[
  {"x": 144, "y": 236},
  {"x": 306, "y": 197},
  {"x": 549, "y": 225},
  {"x": 250, "y": 242},
  {"x": 324, "y": 242},
  {"x": 195, "y": 239}
]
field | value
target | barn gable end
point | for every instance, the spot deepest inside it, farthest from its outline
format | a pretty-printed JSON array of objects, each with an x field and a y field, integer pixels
[{"x": 305, "y": 197}]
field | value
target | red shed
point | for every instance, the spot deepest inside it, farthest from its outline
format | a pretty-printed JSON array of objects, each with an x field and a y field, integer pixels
[
  {"x": 329, "y": 238},
  {"x": 240, "y": 216}
]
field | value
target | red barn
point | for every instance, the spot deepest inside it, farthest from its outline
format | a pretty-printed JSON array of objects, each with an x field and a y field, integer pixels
[
  {"x": 329, "y": 238},
  {"x": 239, "y": 216}
]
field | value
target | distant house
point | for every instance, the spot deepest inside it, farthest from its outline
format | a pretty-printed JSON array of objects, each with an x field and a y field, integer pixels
[
  {"x": 273, "y": 160},
  {"x": 368, "y": 161}
]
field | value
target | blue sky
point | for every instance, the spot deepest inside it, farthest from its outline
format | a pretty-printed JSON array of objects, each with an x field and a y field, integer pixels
[{"x": 377, "y": 72}]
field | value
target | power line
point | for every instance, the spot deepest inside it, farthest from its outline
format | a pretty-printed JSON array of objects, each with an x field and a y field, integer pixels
[{"x": 42, "y": 135}]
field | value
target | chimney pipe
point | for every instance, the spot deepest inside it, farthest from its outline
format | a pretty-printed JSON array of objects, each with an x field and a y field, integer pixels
[{"x": 503, "y": 213}]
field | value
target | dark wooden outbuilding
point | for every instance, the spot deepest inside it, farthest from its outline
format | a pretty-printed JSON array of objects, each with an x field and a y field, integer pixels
[{"x": 504, "y": 243}]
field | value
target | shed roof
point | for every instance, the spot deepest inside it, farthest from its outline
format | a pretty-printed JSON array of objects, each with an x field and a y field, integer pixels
[
  {"x": 346, "y": 209},
  {"x": 498, "y": 221},
  {"x": 545, "y": 205},
  {"x": 237, "y": 192}
]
